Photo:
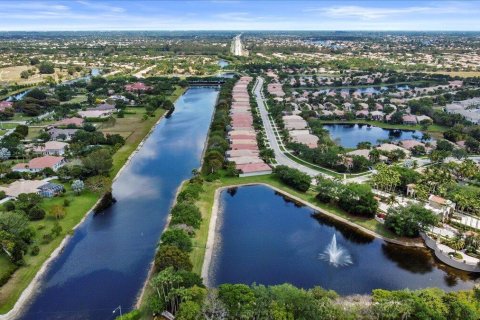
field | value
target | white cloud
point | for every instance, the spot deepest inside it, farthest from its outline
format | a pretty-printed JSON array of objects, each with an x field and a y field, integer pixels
[
  {"x": 103, "y": 7},
  {"x": 372, "y": 13}
]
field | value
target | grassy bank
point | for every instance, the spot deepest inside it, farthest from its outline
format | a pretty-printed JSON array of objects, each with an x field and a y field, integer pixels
[
  {"x": 135, "y": 130},
  {"x": 205, "y": 204},
  {"x": 79, "y": 205}
]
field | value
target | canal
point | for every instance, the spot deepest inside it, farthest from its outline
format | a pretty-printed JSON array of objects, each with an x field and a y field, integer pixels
[
  {"x": 264, "y": 238},
  {"x": 107, "y": 260}
]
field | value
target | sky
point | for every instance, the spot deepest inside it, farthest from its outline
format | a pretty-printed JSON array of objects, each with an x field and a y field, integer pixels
[{"x": 239, "y": 15}]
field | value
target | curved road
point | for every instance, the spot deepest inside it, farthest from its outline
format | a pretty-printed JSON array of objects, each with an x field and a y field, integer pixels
[{"x": 280, "y": 157}]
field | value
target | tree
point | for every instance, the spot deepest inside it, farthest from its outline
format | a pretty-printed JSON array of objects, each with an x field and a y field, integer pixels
[
  {"x": 24, "y": 74},
  {"x": 178, "y": 238},
  {"x": 78, "y": 186},
  {"x": 36, "y": 213},
  {"x": 189, "y": 310},
  {"x": 239, "y": 300},
  {"x": 5, "y": 154},
  {"x": 186, "y": 213},
  {"x": 58, "y": 212},
  {"x": 293, "y": 177},
  {"x": 213, "y": 308},
  {"x": 46, "y": 67},
  {"x": 98, "y": 162},
  {"x": 358, "y": 199},
  {"x": 27, "y": 201},
  {"x": 166, "y": 285},
  {"x": 409, "y": 220},
  {"x": 171, "y": 256},
  {"x": 98, "y": 184}
]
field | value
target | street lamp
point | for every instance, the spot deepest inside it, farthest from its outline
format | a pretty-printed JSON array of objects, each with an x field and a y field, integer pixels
[{"x": 120, "y": 309}]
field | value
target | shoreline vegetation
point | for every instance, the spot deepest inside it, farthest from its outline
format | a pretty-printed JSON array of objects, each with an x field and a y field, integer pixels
[{"x": 20, "y": 287}]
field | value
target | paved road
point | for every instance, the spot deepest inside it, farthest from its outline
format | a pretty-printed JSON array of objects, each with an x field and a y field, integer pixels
[{"x": 280, "y": 157}]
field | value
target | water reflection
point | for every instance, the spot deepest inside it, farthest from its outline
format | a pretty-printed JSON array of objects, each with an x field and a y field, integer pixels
[
  {"x": 105, "y": 263},
  {"x": 269, "y": 239}
]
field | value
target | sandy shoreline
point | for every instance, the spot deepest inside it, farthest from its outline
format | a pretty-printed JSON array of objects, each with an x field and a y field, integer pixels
[
  {"x": 29, "y": 291},
  {"x": 215, "y": 212}
]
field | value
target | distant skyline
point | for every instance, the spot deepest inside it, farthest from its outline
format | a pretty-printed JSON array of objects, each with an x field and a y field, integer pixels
[{"x": 383, "y": 15}]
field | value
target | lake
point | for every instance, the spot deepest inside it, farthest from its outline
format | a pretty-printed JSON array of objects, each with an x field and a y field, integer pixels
[
  {"x": 106, "y": 262},
  {"x": 262, "y": 237},
  {"x": 349, "y": 135}
]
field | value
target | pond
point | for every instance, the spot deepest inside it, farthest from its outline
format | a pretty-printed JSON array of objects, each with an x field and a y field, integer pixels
[
  {"x": 349, "y": 135},
  {"x": 106, "y": 262},
  {"x": 223, "y": 63},
  {"x": 263, "y": 237}
]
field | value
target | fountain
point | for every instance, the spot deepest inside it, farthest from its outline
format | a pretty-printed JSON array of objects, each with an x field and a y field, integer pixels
[{"x": 336, "y": 255}]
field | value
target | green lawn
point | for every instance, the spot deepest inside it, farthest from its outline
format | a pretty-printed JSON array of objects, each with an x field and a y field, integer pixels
[
  {"x": 76, "y": 99},
  {"x": 23, "y": 276},
  {"x": 205, "y": 204}
]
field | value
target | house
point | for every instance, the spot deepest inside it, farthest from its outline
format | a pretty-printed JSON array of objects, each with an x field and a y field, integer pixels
[
  {"x": 364, "y": 153},
  {"x": 104, "y": 107},
  {"x": 5, "y": 104},
  {"x": 39, "y": 164},
  {"x": 424, "y": 118},
  {"x": 388, "y": 147},
  {"x": 410, "y": 144},
  {"x": 43, "y": 188},
  {"x": 409, "y": 119},
  {"x": 52, "y": 148},
  {"x": 377, "y": 115},
  {"x": 137, "y": 87},
  {"x": 75, "y": 121},
  {"x": 440, "y": 206},
  {"x": 61, "y": 134}
]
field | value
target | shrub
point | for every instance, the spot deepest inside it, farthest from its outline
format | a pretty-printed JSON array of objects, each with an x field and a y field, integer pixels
[
  {"x": 66, "y": 202},
  {"x": 35, "y": 251},
  {"x": 36, "y": 213}
]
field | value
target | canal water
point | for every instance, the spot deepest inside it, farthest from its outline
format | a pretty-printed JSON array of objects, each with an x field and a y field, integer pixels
[
  {"x": 264, "y": 238},
  {"x": 106, "y": 262},
  {"x": 349, "y": 135}
]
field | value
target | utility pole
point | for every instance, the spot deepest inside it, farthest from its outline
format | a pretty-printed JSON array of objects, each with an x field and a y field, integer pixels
[{"x": 120, "y": 309}]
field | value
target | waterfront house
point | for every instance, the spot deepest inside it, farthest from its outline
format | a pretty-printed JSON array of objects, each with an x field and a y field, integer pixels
[
  {"x": 61, "y": 134},
  {"x": 409, "y": 119},
  {"x": 137, "y": 87},
  {"x": 5, "y": 104},
  {"x": 43, "y": 188},
  {"x": 39, "y": 164},
  {"x": 52, "y": 148}
]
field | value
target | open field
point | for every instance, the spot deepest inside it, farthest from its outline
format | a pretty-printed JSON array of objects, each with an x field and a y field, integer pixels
[{"x": 12, "y": 75}]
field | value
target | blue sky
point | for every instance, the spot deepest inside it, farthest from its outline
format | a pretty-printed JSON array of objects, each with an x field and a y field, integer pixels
[{"x": 239, "y": 15}]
